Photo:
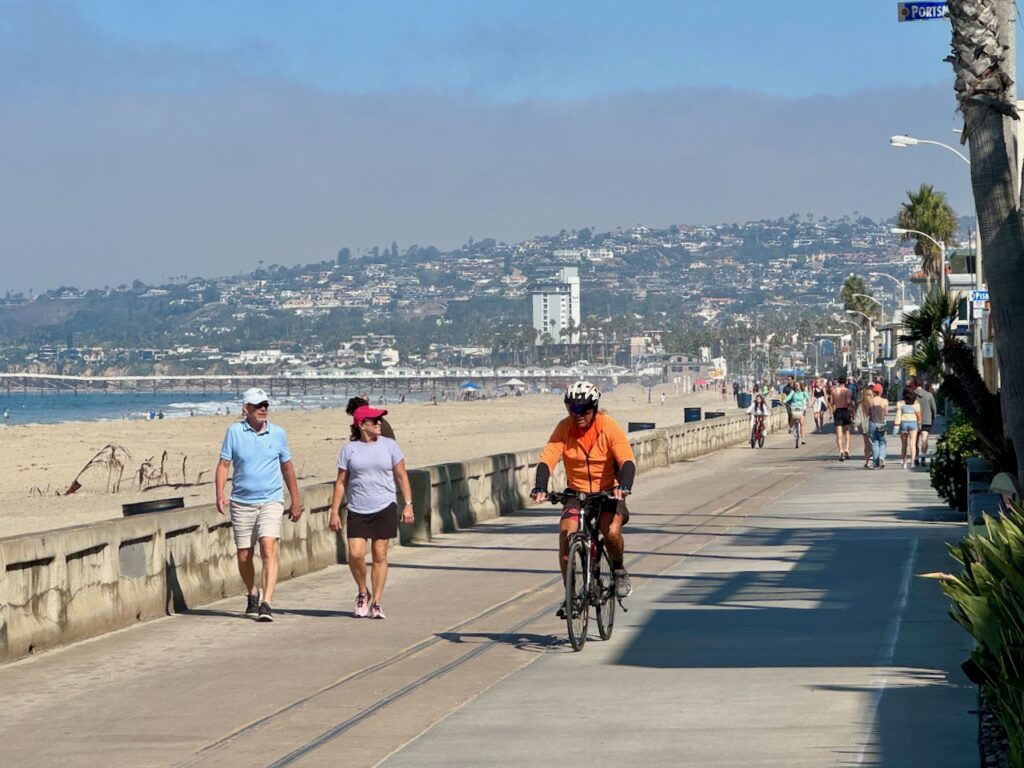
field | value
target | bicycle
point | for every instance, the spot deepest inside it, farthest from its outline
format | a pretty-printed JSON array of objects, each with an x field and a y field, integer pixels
[
  {"x": 589, "y": 581},
  {"x": 797, "y": 431},
  {"x": 757, "y": 432}
]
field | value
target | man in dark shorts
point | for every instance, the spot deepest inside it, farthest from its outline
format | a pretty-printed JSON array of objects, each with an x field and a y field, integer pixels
[{"x": 842, "y": 416}]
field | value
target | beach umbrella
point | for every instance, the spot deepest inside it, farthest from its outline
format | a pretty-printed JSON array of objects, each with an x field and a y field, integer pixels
[
  {"x": 469, "y": 385},
  {"x": 514, "y": 383}
]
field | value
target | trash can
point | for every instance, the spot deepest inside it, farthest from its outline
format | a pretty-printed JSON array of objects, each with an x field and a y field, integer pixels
[
  {"x": 744, "y": 399},
  {"x": 639, "y": 426},
  {"x": 156, "y": 505},
  {"x": 691, "y": 414},
  {"x": 713, "y": 414}
]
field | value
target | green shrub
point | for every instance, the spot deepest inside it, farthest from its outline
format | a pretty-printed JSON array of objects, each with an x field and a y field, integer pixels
[
  {"x": 989, "y": 603},
  {"x": 949, "y": 465}
]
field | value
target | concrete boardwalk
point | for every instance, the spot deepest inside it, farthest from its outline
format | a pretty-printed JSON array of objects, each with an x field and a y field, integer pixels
[{"x": 776, "y": 621}]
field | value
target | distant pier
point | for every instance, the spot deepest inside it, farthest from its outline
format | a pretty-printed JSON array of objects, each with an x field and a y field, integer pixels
[{"x": 284, "y": 385}]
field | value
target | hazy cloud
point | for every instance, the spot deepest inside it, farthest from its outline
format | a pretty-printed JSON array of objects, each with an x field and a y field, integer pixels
[{"x": 162, "y": 163}]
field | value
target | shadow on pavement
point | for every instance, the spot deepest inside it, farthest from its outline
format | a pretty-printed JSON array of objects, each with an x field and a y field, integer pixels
[
  {"x": 524, "y": 641},
  {"x": 834, "y": 608}
]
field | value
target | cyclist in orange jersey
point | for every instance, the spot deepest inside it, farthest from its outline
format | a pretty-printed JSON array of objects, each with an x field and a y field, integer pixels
[{"x": 597, "y": 457}]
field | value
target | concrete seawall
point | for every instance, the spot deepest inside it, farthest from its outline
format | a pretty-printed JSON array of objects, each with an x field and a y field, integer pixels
[{"x": 73, "y": 583}]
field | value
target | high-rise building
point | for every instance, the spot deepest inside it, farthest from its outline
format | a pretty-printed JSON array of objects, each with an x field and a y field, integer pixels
[{"x": 556, "y": 305}]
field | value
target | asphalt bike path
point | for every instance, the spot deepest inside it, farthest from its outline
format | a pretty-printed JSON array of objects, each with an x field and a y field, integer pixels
[{"x": 767, "y": 624}]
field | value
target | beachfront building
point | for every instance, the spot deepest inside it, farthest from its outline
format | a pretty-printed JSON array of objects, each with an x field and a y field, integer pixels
[{"x": 556, "y": 308}]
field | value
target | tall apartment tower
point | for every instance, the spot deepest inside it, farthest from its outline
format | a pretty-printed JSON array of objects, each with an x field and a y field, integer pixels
[{"x": 555, "y": 304}]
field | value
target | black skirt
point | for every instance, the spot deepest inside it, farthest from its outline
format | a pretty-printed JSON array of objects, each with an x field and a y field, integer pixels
[{"x": 376, "y": 525}]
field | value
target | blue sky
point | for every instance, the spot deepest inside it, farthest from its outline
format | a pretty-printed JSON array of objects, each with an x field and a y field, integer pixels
[{"x": 210, "y": 135}]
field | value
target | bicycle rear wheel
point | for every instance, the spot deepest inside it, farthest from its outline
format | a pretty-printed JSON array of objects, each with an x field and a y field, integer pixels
[
  {"x": 605, "y": 607},
  {"x": 576, "y": 603}
]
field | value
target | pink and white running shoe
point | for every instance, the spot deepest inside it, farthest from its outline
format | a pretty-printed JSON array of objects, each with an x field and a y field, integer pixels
[
  {"x": 362, "y": 609},
  {"x": 376, "y": 612}
]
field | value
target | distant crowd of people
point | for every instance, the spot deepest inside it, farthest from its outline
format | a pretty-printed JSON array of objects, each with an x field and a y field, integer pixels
[{"x": 854, "y": 406}]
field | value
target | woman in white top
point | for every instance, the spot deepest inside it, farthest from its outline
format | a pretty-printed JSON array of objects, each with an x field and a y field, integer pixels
[
  {"x": 908, "y": 422},
  {"x": 862, "y": 420},
  {"x": 368, "y": 467}
]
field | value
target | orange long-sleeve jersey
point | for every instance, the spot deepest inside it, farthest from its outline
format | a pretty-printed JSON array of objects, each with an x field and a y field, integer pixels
[{"x": 591, "y": 457}]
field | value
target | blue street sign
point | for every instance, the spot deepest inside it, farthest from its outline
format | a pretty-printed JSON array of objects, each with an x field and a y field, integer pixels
[
  {"x": 979, "y": 296},
  {"x": 920, "y": 11}
]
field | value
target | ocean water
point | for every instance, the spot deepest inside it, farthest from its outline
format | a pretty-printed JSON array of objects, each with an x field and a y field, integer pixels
[{"x": 50, "y": 408}]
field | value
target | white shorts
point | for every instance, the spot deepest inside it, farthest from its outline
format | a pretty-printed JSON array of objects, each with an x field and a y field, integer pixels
[{"x": 252, "y": 522}]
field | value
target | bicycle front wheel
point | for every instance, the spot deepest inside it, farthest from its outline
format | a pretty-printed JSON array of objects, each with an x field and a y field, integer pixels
[
  {"x": 605, "y": 608},
  {"x": 576, "y": 610}
]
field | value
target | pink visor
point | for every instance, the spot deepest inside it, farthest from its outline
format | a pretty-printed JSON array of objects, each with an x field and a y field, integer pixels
[{"x": 364, "y": 412}]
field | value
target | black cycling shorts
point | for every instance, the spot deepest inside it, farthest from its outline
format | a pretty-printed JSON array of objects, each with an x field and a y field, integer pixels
[{"x": 608, "y": 507}]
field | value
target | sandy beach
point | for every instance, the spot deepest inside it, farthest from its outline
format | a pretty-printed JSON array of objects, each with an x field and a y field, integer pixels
[{"x": 41, "y": 461}]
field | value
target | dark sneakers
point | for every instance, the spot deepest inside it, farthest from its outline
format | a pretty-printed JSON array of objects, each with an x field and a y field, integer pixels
[
  {"x": 265, "y": 613},
  {"x": 252, "y": 605},
  {"x": 560, "y": 613}
]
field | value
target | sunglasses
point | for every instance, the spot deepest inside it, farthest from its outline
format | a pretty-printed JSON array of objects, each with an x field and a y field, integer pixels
[
  {"x": 372, "y": 420},
  {"x": 579, "y": 409},
  {"x": 261, "y": 406}
]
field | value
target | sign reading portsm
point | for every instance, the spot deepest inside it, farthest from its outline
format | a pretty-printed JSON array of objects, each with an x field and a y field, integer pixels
[{"x": 921, "y": 11}]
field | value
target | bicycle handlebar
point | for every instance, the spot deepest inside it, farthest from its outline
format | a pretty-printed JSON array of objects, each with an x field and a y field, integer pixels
[{"x": 561, "y": 498}]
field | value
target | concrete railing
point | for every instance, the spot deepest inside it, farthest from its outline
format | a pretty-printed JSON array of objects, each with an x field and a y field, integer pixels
[{"x": 72, "y": 583}]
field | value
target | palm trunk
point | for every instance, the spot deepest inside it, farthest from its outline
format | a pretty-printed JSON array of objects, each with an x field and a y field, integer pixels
[{"x": 985, "y": 92}]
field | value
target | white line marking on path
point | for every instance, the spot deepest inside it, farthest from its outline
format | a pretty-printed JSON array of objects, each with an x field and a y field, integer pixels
[{"x": 888, "y": 650}]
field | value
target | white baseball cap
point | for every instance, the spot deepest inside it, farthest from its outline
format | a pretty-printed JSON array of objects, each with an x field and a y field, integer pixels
[{"x": 254, "y": 396}]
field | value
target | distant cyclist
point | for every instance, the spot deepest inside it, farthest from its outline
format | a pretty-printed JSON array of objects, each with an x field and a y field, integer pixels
[
  {"x": 597, "y": 457},
  {"x": 797, "y": 401},
  {"x": 758, "y": 409}
]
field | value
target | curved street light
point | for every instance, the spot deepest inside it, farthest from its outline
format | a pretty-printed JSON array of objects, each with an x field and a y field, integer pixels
[
  {"x": 910, "y": 141},
  {"x": 902, "y": 231},
  {"x": 900, "y": 283}
]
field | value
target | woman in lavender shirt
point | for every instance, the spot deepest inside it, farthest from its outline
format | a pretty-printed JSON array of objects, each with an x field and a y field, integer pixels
[{"x": 368, "y": 467}]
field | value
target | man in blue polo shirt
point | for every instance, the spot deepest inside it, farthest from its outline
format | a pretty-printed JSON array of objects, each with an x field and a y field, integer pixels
[{"x": 259, "y": 452}]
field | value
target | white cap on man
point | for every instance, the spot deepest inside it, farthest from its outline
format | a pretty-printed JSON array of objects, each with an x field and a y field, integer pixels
[{"x": 254, "y": 396}]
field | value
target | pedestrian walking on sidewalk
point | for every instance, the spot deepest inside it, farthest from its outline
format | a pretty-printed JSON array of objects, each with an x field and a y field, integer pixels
[
  {"x": 842, "y": 405},
  {"x": 258, "y": 451},
  {"x": 369, "y": 466},
  {"x": 908, "y": 422},
  {"x": 879, "y": 414},
  {"x": 862, "y": 421},
  {"x": 926, "y": 400}
]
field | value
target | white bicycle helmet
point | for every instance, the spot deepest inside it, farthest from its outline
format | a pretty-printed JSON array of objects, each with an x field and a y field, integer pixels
[{"x": 581, "y": 392}]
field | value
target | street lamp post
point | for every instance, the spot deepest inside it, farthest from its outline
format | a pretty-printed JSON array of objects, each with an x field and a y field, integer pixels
[
  {"x": 910, "y": 141},
  {"x": 900, "y": 283},
  {"x": 919, "y": 234},
  {"x": 881, "y": 309},
  {"x": 853, "y": 341},
  {"x": 870, "y": 356}
]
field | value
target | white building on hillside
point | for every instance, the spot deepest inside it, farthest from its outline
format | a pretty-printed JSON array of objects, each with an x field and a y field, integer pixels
[{"x": 556, "y": 306}]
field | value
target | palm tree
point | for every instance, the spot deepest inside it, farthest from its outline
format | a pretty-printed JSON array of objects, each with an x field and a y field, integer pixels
[
  {"x": 985, "y": 90},
  {"x": 928, "y": 211},
  {"x": 853, "y": 292},
  {"x": 940, "y": 353}
]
